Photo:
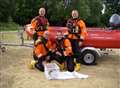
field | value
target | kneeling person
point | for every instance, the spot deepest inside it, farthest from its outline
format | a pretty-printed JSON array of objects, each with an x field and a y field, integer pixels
[
  {"x": 62, "y": 51},
  {"x": 40, "y": 52}
]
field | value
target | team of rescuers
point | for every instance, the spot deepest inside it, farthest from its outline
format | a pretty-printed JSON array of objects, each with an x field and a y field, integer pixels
[{"x": 65, "y": 49}]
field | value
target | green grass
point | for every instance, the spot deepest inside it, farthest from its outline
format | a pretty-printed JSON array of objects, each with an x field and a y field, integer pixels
[
  {"x": 10, "y": 38},
  {"x": 10, "y": 26}
]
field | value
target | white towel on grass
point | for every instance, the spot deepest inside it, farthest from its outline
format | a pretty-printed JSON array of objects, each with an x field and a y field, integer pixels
[{"x": 52, "y": 72}]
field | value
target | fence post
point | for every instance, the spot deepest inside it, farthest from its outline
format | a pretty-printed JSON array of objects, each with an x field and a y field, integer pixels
[{"x": 21, "y": 36}]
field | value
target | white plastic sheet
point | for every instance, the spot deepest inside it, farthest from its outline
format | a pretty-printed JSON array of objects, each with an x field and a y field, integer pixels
[{"x": 52, "y": 72}]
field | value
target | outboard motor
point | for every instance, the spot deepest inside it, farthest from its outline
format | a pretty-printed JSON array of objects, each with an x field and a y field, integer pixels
[{"x": 115, "y": 21}]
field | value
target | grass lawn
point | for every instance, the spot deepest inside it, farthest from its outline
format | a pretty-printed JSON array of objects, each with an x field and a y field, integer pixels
[{"x": 10, "y": 33}]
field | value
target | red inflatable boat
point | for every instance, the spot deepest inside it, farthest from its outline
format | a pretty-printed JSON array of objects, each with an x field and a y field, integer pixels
[{"x": 103, "y": 38}]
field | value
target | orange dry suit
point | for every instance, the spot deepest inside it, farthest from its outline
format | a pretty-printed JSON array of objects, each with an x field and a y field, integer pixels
[
  {"x": 76, "y": 28},
  {"x": 39, "y": 25},
  {"x": 77, "y": 32},
  {"x": 63, "y": 46},
  {"x": 40, "y": 47},
  {"x": 40, "y": 53}
]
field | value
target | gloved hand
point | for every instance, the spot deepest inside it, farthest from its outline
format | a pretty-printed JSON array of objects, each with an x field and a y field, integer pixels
[
  {"x": 80, "y": 43},
  {"x": 47, "y": 58},
  {"x": 58, "y": 53},
  {"x": 65, "y": 54},
  {"x": 49, "y": 53},
  {"x": 37, "y": 41},
  {"x": 35, "y": 36},
  {"x": 81, "y": 38}
]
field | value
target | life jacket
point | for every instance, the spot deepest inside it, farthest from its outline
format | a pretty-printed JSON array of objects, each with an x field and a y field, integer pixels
[
  {"x": 39, "y": 25},
  {"x": 76, "y": 28},
  {"x": 60, "y": 45},
  {"x": 42, "y": 23},
  {"x": 64, "y": 45},
  {"x": 73, "y": 26}
]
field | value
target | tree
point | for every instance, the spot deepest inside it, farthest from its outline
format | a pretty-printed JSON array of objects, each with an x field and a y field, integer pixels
[
  {"x": 89, "y": 11},
  {"x": 56, "y": 12},
  {"x": 112, "y": 6},
  {"x": 5, "y": 10},
  {"x": 83, "y": 8},
  {"x": 26, "y": 10},
  {"x": 95, "y": 13}
]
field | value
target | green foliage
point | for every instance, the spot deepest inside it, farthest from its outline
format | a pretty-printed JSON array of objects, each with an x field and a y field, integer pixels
[
  {"x": 9, "y": 26},
  {"x": 22, "y": 11},
  {"x": 4, "y": 10},
  {"x": 25, "y": 10},
  {"x": 112, "y": 6},
  {"x": 56, "y": 12},
  {"x": 95, "y": 13},
  {"x": 83, "y": 7},
  {"x": 90, "y": 11}
]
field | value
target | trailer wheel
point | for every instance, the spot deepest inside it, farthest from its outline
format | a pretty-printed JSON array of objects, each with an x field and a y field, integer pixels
[{"x": 89, "y": 57}]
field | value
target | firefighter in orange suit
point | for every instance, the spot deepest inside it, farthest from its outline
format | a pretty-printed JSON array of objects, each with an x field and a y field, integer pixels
[
  {"x": 40, "y": 52},
  {"x": 62, "y": 51},
  {"x": 77, "y": 32},
  {"x": 39, "y": 24}
]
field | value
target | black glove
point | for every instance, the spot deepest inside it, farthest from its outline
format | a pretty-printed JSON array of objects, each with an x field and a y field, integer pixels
[
  {"x": 49, "y": 53},
  {"x": 35, "y": 36}
]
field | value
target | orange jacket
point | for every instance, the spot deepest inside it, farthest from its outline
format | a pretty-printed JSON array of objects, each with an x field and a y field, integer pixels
[
  {"x": 53, "y": 46},
  {"x": 39, "y": 24},
  {"x": 68, "y": 47},
  {"x": 40, "y": 50},
  {"x": 79, "y": 26}
]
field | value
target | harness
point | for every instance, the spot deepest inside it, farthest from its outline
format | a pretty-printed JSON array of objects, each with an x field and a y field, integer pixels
[
  {"x": 60, "y": 45},
  {"x": 41, "y": 24},
  {"x": 74, "y": 28}
]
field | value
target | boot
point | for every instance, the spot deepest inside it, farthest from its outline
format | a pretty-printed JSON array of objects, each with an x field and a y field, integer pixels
[
  {"x": 77, "y": 67},
  {"x": 32, "y": 64},
  {"x": 62, "y": 66}
]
